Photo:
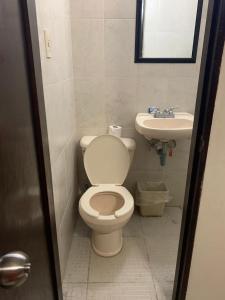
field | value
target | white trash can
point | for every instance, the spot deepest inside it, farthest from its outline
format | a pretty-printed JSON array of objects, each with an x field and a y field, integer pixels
[{"x": 151, "y": 197}]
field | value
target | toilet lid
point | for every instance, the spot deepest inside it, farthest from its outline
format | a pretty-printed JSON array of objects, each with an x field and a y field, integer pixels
[{"x": 106, "y": 160}]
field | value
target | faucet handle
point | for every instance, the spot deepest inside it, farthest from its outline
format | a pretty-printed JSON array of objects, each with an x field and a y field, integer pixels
[
  {"x": 153, "y": 109},
  {"x": 172, "y": 108}
]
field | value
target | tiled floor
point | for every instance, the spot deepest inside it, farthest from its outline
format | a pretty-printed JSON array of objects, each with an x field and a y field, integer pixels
[{"x": 143, "y": 270}]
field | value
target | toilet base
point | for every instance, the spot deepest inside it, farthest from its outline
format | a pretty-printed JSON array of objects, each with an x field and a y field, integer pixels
[{"x": 108, "y": 244}]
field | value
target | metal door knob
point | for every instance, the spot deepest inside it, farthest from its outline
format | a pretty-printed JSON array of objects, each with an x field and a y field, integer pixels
[{"x": 14, "y": 269}]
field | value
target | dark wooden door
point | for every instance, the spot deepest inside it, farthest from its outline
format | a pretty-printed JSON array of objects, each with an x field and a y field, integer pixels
[{"x": 23, "y": 224}]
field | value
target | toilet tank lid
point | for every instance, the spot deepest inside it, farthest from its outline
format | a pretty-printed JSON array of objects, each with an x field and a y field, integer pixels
[{"x": 128, "y": 142}]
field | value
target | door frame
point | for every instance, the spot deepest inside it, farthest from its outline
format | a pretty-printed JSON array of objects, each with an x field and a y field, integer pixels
[
  {"x": 29, "y": 19},
  {"x": 206, "y": 96},
  {"x": 208, "y": 81}
]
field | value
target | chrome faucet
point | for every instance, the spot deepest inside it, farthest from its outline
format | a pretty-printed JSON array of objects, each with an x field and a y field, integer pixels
[
  {"x": 169, "y": 112},
  {"x": 166, "y": 113}
]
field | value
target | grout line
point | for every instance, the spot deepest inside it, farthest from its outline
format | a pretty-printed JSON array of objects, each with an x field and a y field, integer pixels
[
  {"x": 149, "y": 260},
  {"x": 105, "y": 282},
  {"x": 89, "y": 266},
  {"x": 102, "y": 19}
]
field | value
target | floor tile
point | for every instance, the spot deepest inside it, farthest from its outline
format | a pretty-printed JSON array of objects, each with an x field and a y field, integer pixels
[
  {"x": 81, "y": 229},
  {"x": 175, "y": 214},
  {"x": 144, "y": 267},
  {"x": 159, "y": 292},
  {"x": 163, "y": 256},
  {"x": 74, "y": 291},
  {"x": 130, "y": 265},
  {"x": 167, "y": 288},
  {"x": 133, "y": 228},
  {"x": 121, "y": 291},
  {"x": 78, "y": 261},
  {"x": 168, "y": 225}
]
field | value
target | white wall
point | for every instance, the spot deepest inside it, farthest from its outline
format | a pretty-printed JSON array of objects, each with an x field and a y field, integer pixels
[
  {"x": 111, "y": 88},
  {"x": 207, "y": 274},
  {"x": 58, "y": 81}
]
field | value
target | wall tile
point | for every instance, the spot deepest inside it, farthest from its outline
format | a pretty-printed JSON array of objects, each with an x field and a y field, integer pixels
[
  {"x": 59, "y": 187},
  {"x": 111, "y": 88},
  {"x": 63, "y": 44},
  {"x": 152, "y": 92},
  {"x": 182, "y": 93},
  {"x": 178, "y": 161},
  {"x": 90, "y": 103},
  {"x": 119, "y": 48},
  {"x": 54, "y": 109},
  {"x": 61, "y": 8},
  {"x": 45, "y": 9},
  {"x": 118, "y": 9},
  {"x": 120, "y": 101},
  {"x": 60, "y": 105},
  {"x": 145, "y": 158},
  {"x": 92, "y": 130},
  {"x": 176, "y": 183},
  {"x": 71, "y": 170},
  {"x": 65, "y": 234},
  {"x": 90, "y": 9},
  {"x": 57, "y": 73},
  {"x": 68, "y": 121},
  {"x": 89, "y": 55}
]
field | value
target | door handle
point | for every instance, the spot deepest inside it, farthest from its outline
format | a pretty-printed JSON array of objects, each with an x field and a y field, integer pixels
[{"x": 14, "y": 269}]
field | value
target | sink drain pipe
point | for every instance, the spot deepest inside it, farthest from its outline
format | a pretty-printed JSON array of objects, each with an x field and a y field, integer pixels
[{"x": 163, "y": 148}]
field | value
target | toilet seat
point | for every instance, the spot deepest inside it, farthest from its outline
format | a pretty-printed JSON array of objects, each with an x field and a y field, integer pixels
[
  {"x": 107, "y": 206},
  {"x": 106, "y": 161},
  {"x": 128, "y": 204}
]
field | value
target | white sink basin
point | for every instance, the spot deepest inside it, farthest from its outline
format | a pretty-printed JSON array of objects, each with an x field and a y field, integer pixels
[{"x": 165, "y": 128}]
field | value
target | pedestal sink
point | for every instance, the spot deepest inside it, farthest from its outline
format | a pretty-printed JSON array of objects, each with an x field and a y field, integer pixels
[{"x": 165, "y": 129}]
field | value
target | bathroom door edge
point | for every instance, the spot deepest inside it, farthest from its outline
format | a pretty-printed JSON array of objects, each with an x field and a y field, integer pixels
[
  {"x": 206, "y": 96},
  {"x": 29, "y": 17}
]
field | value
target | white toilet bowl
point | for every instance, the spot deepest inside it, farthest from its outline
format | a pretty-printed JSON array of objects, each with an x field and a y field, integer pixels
[{"x": 107, "y": 206}]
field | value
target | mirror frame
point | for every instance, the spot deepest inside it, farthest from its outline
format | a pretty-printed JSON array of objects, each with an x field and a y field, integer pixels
[{"x": 139, "y": 38}]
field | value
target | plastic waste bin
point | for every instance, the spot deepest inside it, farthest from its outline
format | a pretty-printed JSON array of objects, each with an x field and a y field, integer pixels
[{"x": 151, "y": 197}]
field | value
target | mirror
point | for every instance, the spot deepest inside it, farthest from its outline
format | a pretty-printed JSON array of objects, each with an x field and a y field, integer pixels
[{"x": 167, "y": 31}]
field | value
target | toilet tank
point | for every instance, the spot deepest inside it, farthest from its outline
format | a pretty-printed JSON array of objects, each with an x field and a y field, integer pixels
[{"x": 129, "y": 143}]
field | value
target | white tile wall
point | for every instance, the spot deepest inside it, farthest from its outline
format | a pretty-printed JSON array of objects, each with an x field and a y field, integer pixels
[
  {"x": 88, "y": 52},
  {"x": 58, "y": 81},
  {"x": 89, "y": 9},
  {"x": 114, "y": 9},
  {"x": 110, "y": 87},
  {"x": 119, "y": 48}
]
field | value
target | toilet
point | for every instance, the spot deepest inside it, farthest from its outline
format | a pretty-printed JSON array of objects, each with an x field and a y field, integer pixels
[{"x": 107, "y": 206}]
